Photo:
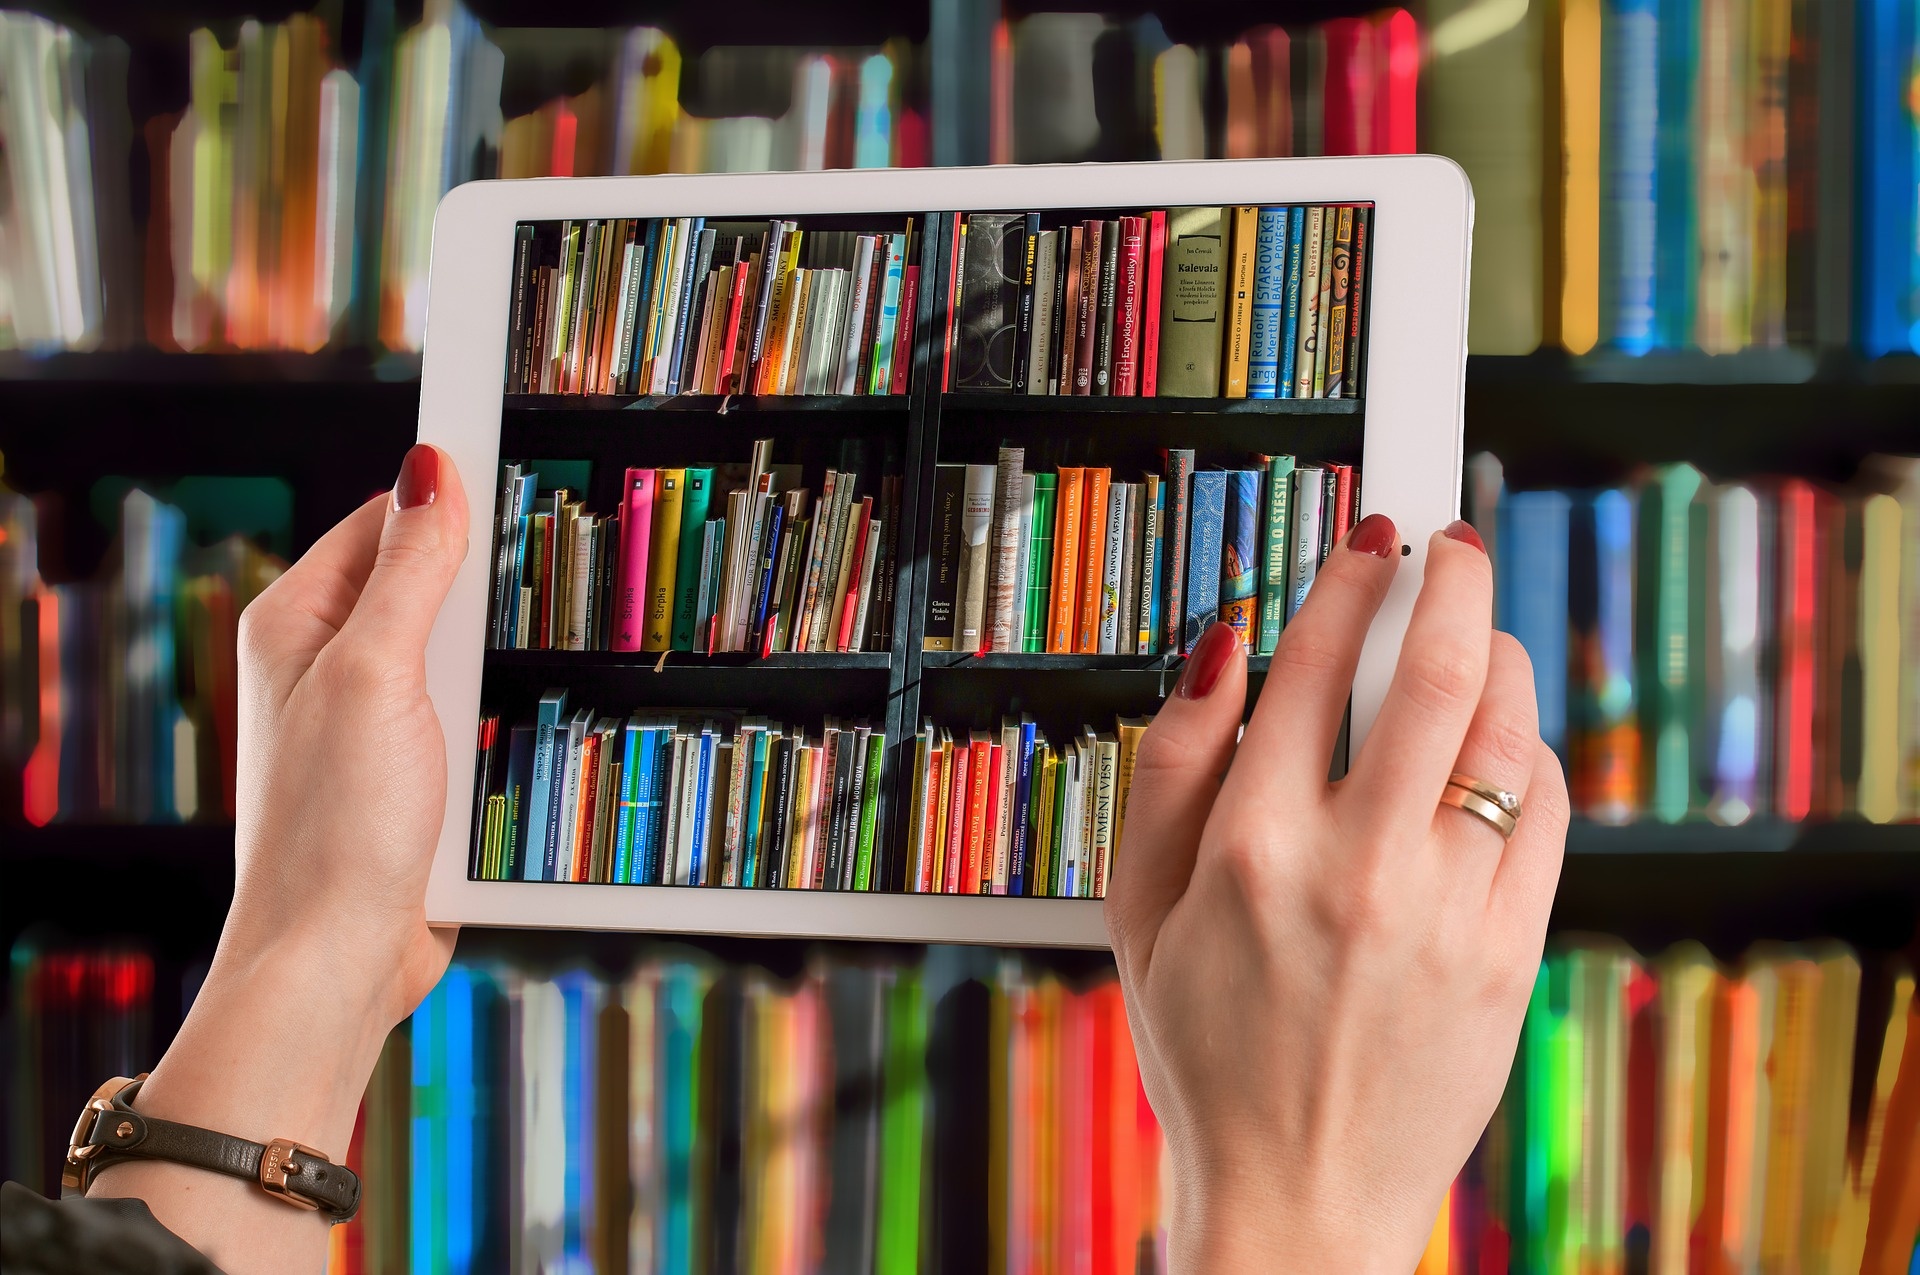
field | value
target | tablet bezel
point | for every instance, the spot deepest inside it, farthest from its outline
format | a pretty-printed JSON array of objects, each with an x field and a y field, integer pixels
[{"x": 1416, "y": 336}]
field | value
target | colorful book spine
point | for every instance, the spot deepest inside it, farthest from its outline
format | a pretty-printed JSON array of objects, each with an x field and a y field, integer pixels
[
  {"x": 1309, "y": 503},
  {"x": 1244, "y": 224},
  {"x": 1093, "y": 560},
  {"x": 1039, "y": 565},
  {"x": 1062, "y": 622},
  {"x": 696, "y": 501},
  {"x": 1150, "y": 303},
  {"x": 1240, "y": 543},
  {"x": 1179, "y": 483},
  {"x": 1209, "y": 513},
  {"x": 663, "y": 558},
  {"x": 1278, "y": 522},
  {"x": 636, "y": 531},
  {"x": 1269, "y": 304},
  {"x": 1290, "y": 303}
]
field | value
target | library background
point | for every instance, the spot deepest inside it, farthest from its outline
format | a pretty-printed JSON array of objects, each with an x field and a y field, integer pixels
[{"x": 1693, "y": 412}]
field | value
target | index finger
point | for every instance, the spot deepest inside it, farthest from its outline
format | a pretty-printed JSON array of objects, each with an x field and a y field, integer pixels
[{"x": 1416, "y": 738}]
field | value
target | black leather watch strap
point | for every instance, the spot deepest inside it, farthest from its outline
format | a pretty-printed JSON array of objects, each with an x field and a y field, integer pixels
[{"x": 299, "y": 1175}]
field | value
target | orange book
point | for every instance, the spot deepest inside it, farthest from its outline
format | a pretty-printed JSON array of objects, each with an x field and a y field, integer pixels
[
  {"x": 1893, "y": 1214},
  {"x": 977, "y": 807},
  {"x": 586, "y": 792},
  {"x": 1066, "y": 562},
  {"x": 1093, "y": 558},
  {"x": 960, "y": 770}
]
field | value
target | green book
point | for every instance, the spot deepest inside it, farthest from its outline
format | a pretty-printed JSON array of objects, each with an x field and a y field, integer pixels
[
  {"x": 869, "y": 812},
  {"x": 1191, "y": 294},
  {"x": 697, "y": 495},
  {"x": 903, "y": 1121},
  {"x": 1057, "y": 867},
  {"x": 1033, "y": 637},
  {"x": 1273, "y": 553},
  {"x": 1669, "y": 641}
]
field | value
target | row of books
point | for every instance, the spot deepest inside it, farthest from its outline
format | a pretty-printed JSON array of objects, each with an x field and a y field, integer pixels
[
  {"x": 1720, "y": 650},
  {"x": 1075, "y": 563},
  {"x": 121, "y": 691},
  {"x": 961, "y": 1109},
  {"x": 773, "y": 572},
  {"x": 693, "y": 799},
  {"x": 685, "y": 305},
  {"x": 1239, "y": 302},
  {"x": 1009, "y": 813}
]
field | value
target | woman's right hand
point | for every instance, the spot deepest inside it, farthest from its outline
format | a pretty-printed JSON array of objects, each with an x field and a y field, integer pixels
[{"x": 1326, "y": 981}]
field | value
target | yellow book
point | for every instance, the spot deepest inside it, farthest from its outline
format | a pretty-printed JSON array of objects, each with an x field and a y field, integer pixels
[
  {"x": 663, "y": 559},
  {"x": 1829, "y": 1089},
  {"x": 1130, "y": 729},
  {"x": 1245, "y": 232},
  {"x": 1688, "y": 986},
  {"x": 1784, "y": 1121},
  {"x": 943, "y": 795},
  {"x": 1868, "y": 1241},
  {"x": 1436, "y": 1260},
  {"x": 1579, "y": 229},
  {"x": 1878, "y": 796}
]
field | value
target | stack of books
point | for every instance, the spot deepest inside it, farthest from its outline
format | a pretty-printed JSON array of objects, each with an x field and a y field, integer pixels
[
  {"x": 1726, "y": 651},
  {"x": 708, "y": 559},
  {"x": 685, "y": 305},
  {"x": 1075, "y": 563},
  {"x": 1008, "y": 813},
  {"x": 121, "y": 697},
  {"x": 662, "y": 798},
  {"x": 1237, "y": 302}
]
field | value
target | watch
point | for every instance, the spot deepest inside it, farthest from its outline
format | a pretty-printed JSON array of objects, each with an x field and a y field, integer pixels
[{"x": 110, "y": 1131}]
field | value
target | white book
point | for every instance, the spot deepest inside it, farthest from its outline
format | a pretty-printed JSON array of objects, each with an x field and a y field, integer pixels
[
  {"x": 868, "y": 569},
  {"x": 1106, "y": 765},
  {"x": 1045, "y": 266},
  {"x": 688, "y": 800},
  {"x": 670, "y": 301},
  {"x": 576, "y": 738},
  {"x": 1129, "y": 573},
  {"x": 1309, "y": 489},
  {"x": 789, "y": 344},
  {"x": 976, "y": 522},
  {"x": 1023, "y": 568},
  {"x": 800, "y": 628},
  {"x": 833, "y": 334},
  {"x": 849, "y": 368},
  {"x": 622, "y": 321},
  {"x": 580, "y": 591},
  {"x": 334, "y": 203},
  {"x": 1113, "y": 566},
  {"x": 1004, "y": 566},
  {"x": 675, "y": 743}
]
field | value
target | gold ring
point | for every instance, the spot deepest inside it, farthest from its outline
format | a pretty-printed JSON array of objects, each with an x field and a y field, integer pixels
[{"x": 1495, "y": 805}]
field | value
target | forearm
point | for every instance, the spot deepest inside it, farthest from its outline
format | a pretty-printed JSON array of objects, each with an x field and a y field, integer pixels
[{"x": 273, "y": 1047}]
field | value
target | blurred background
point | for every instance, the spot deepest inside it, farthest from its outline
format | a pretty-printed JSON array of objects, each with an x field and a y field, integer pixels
[{"x": 1695, "y": 319}]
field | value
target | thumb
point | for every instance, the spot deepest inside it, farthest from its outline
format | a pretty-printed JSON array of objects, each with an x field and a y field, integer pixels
[
  {"x": 422, "y": 543},
  {"x": 1176, "y": 775}
]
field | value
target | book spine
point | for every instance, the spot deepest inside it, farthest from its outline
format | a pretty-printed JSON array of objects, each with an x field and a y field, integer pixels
[
  {"x": 1113, "y": 569},
  {"x": 1040, "y": 360},
  {"x": 1245, "y": 229},
  {"x": 770, "y": 261},
  {"x": 1039, "y": 566},
  {"x": 1126, "y": 369},
  {"x": 1007, "y": 759},
  {"x": 697, "y": 491},
  {"x": 517, "y": 327},
  {"x": 956, "y": 252},
  {"x": 1309, "y": 485},
  {"x": 902, "y": 363},
  {"x": 1004, "y": 566},
  {"x": 958, "y": 804},
  {"x": 693, "y": 289},
  {"x": 1342, "y": 305},
  {"x": 1152, "y": 507},
  {"x": 1093, "y": 560},
  {"x": 1105, "y": 803},
  {"x": 1329, "y": 226},
  {"x": 763, "y": 590},
  {"x": 896, "y": 264},
  {"x": 1177, "y": 525},
  {"x": 1192, "y": 302},
  {"x": 1356, "y": 304},
  {"x": 1019, "y": 860},
  {"x": 1203, "y": 554},
  {"x": 1269, "y": 304},
  {"x": 1068, "y": 324},
  {"x": 976, "y": 527},
  {"x": 1305, "y": 340},
  {"x": 949, "y": 482},
  {"x": 1108, "y": 306},
  {"x": 980, "y": 794},
  {"x": 1156, "y": 266},
  {"x": 870, "y": 810},
  {"x": 664, "y": 559},
  {"x": 1240, "y": 556},
  {"x": 860, "y": 548},
  {"x": 636, "y": 529},
  {"x": 1273, "y": 560},
  {"x": 1062, "y": 621},
  {"x": 849, "y": 376},
  {"x": 1087, "y": 320},
  {"x": 1023, "y": 353}
]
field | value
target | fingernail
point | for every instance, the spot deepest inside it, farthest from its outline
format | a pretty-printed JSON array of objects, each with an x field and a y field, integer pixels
[
  {"x": 1459, "y": 529},
  {"x": 1208, "y": 661},
  {"x": 419, "y": 479},
  {"x": 1375, "y": 535}
]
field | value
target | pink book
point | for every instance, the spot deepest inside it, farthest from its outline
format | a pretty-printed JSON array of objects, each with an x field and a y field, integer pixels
[
  {"x": 903, "y": 336},
  {"x": 1349, "y": 83},
  {"x": 1150, "y": 305},
  {"x": 630, "y": 580}
]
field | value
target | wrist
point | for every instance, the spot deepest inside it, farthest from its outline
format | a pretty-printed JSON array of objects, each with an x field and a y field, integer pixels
[{"x": 1261, "y": 1216}]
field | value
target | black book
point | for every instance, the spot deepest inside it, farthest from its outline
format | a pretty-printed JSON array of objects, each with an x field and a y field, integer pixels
[
  {"x": 1023, "y": 328},
  {"x": 943, "y": 580},
  {"x": 989, "y": 302},
  {"x": 779, "y": 825},
  {"x": 1103, "y": 324},
  {"x": 1062, "y": 247},
  {"x": 522, "y": 290},
  {"x": 856, "y": 1001},
  {"x": 837, "y": 818}
]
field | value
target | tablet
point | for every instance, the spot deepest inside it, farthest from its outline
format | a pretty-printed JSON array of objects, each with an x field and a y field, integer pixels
[{"x": 803, "y": 506}]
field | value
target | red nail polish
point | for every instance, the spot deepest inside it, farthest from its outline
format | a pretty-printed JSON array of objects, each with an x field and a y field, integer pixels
[
  {"x": 1375, "y": 534},
  {"x": 419, "y": 479},
  {"x": 1462, "y": 531},
  {"x": 1208, "y": 661}
]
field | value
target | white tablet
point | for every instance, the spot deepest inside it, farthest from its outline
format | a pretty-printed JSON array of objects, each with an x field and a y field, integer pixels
[{"x": 705, "y": 668}]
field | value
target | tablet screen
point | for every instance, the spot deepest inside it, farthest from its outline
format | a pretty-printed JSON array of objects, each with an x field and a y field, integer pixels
[{"x": 854, "y": 552}]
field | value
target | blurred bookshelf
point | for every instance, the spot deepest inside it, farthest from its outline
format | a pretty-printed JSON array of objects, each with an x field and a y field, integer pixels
[{"x": 171, "y": 343}]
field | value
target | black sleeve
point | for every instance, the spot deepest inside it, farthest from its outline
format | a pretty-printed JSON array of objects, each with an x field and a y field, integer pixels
[{"x": 39, "y": 1236}]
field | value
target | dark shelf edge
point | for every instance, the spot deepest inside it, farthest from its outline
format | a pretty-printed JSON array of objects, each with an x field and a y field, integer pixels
[
  {"x": 706, "y": 404},
  {"x": 1077, "y": 405},
  {"x": 687, "y": 662},
  {"x": 81, "y": 370}
]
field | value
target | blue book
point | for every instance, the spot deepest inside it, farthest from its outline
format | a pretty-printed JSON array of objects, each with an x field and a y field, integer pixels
[
  {"x": 1533, "y": 579},
  {"x": 703, "y": 796},
  {"x": 1630, "y": 107},
  {"x": 427, "y": 1037},
  {"x": 519, "y": 790},
  {"x": 462, "y": 1109},
  {"x": 1269, "y": 304},
  {"x": 1888, "y": 309},
  {"x": 659, "y": 864},
  {"x": 627, "y": 800},
  {"x": 755, "y": 799},
  {"x": 677, "y": 1014},
  {"x": 689, "y": 262},
  {"x": 769, "y": 557},
  {"x": 523, "y": 495},
  {"x": 648, "y": 263},
  {"x": 1290, "y": 301},
  {"x": 538, "y": 863},
  {"x": 1208, "y": 504},
  {"x": 1674, "y": 248},
  {"x": 640, "y": 783},
  {"x": 559, "y": 858},
  {"x": 1240, "y": 554},
  {"x": 580, "y": 996},
  {"x": 889, "y": 315},
  {"x": 1022, "y": 790}
]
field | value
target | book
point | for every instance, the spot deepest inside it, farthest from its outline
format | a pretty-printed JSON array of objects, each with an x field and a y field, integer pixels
[
  {"x": 1668, "y": 639},
  {"x": 988, "y": 321},
  {"x": 1268, "y": 313},
  {"x": 1323, "y": 312},
  {"x": 1350, "y": 385},
  {"x": 1039, "y": 564},
  {"x": 1106, "y": 313},
  {"x": 1153, "y": 504},
  {"x": 1028, "y": 277},
  {"x": 976, "y": 549},
  {"x": 1304, "y": 537},
  {"x": 664, "y": 558},
  {"x": 1277, "y": 521},
  {"x": 1093, "y": 560},
  {"x": 1179, "y": 480},
  {"x": 1068, "y": 542},
  {"x": 636, "y": 531},
  {"x": 1202, "y": 591},
  {"x": 1041, "y": 363},
  {"x": 1150, "y": 303},
  {"x": 1306, "y": 341},
  {"x": 696, "y": 497},
  {"x": 1240, "y": 543},
  {"x": 1535, "y": 603},
  {"x": 1087, "y": 322},
  {"x": 948, "y": 538},
  {"x": 1068, "y": 326},
  {"x": 1337, "y": 317},
  {"x": 1243, "y": 239},
  {"x": 1113, "y": 570},
  {"x": 1004, "y": 554},
  {"x": 1192, "y": 303},
  {"x": 1127, "y": 306}
]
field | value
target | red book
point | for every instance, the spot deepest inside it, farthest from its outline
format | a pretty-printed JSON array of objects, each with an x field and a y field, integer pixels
[
  {"x": 843, "y": 637},
  {"x": 1643, "y": 1094},
  {"x": 736, "y": 302},
  {"x": 1133, "y": 261},
  {"x": 903, "y": 338},
  {"x": 929, "y": 822},
  {"x": 1798, "y": 594},
  {"x": 988, "y": 797},
  {"x": 1150, "y": 305},
  {"x": 1087, "y": 318},
  {"x": 957, "y": 817},
  {"x": 1396, "y": 83},
  {"x": 585, "y": 793},
  {"x": 1100, "y": 1135},
  {"x": 1342, "y": 501},
  {"x": 566, "y": 129},
  {"x": 543, "y": 596},
  {"x": 953, "y": 283},
  {"x": 630, "y": 577},
  {"x": 1070, "y": 313},
  {"x": 977, "y": 805},
  {"x": 1349, "y": 84}
]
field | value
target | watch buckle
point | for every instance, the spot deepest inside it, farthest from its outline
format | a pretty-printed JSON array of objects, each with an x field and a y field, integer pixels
[
  {"x": 276, "y": 1166},
  {"x": 80, "y": 1147}
]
